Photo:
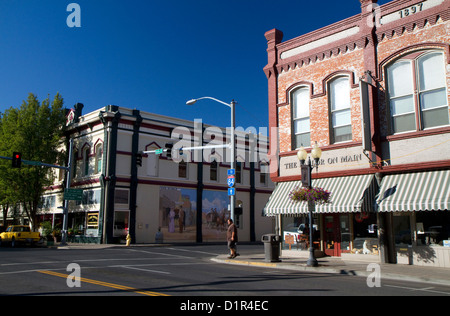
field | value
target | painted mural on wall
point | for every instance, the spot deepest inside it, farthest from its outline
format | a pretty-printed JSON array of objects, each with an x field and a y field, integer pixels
[
  {"x": 214, "y": 215},
  {"x": 178, "y": 213}
]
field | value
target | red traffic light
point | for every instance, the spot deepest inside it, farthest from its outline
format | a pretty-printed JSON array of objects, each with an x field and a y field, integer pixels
[{"x": 17, "y": 160}]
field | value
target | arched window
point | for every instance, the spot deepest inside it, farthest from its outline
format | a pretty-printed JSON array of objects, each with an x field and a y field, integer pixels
[
  {"x": 86, "y": 161},
  {"x": 417, "y": 92},
  {"x": 213, "y": 176},
  {"x": 74, "y": 163},
  {"x": 300, "y": 118},
  {"x": 339, "y": 98},
  {"x": 98, "y": 157}
]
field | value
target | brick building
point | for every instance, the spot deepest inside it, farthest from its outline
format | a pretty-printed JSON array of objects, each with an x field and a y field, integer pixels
[{"x": 373, "y": 92}]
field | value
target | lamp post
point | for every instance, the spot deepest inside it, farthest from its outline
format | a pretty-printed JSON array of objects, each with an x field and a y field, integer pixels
[
  {"x": 231, "y": 105},
  {"x": 306, "y": 169}
]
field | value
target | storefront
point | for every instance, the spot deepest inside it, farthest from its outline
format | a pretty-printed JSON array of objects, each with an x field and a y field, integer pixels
[
  {"x": 417, "y": 206},
  {"x": 345, "y": 225}
]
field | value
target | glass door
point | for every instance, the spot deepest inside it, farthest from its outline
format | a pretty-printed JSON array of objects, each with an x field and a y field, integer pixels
[
  {"x": 331, "y": 235},
  {"x": 344, "y": 225},
  {"x": 403, "y": 240}
]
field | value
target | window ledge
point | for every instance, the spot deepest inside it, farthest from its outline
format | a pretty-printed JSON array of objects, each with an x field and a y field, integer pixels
[{"x": 428, "y": 132}]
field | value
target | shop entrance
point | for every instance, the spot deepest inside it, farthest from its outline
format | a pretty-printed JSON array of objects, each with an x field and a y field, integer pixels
[
  {"x": 403, "y": 240},
  {"x": 336, "y": 234}
]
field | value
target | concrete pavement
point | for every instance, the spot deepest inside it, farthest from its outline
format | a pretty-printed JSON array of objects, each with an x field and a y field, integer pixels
[{"x": 339, "y": 265}]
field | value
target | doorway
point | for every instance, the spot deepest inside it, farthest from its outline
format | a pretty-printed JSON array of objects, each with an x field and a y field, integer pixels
[
  {"x": 331, "y": 235},
  {"x": 403, "y": 240},
  {"x": 336, "y": 234}
]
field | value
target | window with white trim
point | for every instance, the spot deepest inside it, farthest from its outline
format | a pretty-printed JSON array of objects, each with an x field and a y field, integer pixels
[
  {"x": 300, "y": 115},
  {"x": 341, "y": 122},
  {"x": 417, "y": 92},
  {"x": 98, "y": 157}
]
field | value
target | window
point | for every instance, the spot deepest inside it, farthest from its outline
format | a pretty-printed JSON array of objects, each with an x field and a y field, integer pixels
[
  {"x": 90, "y": 197},
  {"x": 182, "y": 169},
  {"x": 401, "y": 96},
  {"x": 301, "y": 126},
  {"x": 341, "y": 123},
  {"x": 74, "y": 164},
  {"x": 86, "y": 161},
  {"x": 121, "y": 196},
  {"x": 417, "y": 92},
  {"x": 238, "y": 172},
  {"x": 213, "y": 171},
  {"x": 98, "y": 158},
  {"x": 264, "y": 169},
  {"x": 152, "y": 163}
]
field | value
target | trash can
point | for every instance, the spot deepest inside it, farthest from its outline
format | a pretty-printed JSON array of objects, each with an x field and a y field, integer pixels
[{"x": 271, "y": 247}]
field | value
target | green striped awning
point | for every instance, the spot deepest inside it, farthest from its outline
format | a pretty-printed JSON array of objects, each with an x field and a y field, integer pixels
[
  {"x": 424, "y": 191},
  {"x": 348, "y": 194}
]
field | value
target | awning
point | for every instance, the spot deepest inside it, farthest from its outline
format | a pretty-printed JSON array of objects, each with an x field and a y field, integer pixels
[
  {"x": 348, "y": 194},
  {"x": 424, "y": 191}
]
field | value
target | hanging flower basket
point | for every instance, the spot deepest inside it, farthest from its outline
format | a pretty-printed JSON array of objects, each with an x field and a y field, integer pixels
[{"x": 317, "y": 195}]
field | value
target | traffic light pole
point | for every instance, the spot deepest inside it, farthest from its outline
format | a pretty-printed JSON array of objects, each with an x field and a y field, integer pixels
[{"x": 37, "y": 163}]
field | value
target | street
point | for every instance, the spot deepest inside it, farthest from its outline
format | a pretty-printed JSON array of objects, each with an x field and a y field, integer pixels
[{"x": 181, "y": 270}]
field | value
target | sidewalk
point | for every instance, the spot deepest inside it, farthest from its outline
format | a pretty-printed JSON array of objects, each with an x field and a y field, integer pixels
[{"x": 338, "y": 265}]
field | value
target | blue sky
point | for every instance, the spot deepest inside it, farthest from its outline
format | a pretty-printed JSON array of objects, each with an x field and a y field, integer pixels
[{"x": 152, "y": 55}]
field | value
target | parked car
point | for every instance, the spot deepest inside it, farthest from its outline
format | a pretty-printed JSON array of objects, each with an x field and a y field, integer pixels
[{"x": 19, "y": 234}]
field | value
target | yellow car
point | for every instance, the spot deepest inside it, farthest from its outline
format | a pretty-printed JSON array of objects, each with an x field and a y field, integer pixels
[{"x": 19, "y": 234}]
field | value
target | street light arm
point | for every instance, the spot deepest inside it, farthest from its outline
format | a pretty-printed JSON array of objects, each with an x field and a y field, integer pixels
[
  {"x": 232, "y": 144},
  {"x": 193, "y": 101}
]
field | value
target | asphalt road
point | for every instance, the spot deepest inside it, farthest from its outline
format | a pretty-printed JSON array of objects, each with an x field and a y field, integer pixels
[{"x": 182, "y": 271}]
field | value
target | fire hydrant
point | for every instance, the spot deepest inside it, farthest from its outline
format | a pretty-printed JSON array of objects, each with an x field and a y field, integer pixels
[{"x": 128, "y": 240}]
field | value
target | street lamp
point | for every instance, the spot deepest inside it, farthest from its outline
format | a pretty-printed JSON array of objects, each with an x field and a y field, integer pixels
[
  {"x": 231, "y": 105},
  {"x": 306, "y": 169}
]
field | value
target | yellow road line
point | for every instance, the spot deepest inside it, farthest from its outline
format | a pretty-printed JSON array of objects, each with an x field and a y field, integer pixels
[{"x": 106, "y": 284}]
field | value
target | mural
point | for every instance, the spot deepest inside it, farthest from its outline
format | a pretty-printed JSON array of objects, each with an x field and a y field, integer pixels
[
  {"x": 214, "y": 215},
  {"x": 178, "y": 214}
]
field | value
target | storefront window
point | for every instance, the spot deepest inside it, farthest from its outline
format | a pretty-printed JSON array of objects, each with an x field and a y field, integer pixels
[
  {"x": 295, "y": 232},
  {"x": 365, "y": 232},
  {"x": 432, "y": 228},
  {"x": 121, "y": 220}
]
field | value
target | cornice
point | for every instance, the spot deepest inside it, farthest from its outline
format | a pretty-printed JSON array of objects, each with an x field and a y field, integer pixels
[{"x": 365, "y": 36}]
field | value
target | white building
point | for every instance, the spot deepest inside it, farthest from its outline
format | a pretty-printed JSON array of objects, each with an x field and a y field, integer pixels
[{"x": 185, "y": 198}]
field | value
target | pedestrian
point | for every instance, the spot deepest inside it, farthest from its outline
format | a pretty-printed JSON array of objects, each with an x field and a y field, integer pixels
[{"x": 232, "y": 238}]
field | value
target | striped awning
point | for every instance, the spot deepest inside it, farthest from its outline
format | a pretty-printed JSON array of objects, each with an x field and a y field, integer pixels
[
  {"x": 424, "y": 191},
  {"x": 348, "y": 194}
]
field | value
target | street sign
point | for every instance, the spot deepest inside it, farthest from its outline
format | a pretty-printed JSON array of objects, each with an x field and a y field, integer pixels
[
  {"x": 73, "y": 194},
  {"x": 231, "y": 191},
  {"x": 231, "y": 172},
  {"x": 159, "y": 151},
  {"x": 231, "y": 180}
]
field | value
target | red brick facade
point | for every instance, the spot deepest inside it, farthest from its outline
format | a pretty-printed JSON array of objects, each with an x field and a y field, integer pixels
[{"x": 359, "y": 47}]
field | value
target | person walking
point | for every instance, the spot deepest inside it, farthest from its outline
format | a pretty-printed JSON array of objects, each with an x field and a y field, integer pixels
[{"x": 232, "y": 238}]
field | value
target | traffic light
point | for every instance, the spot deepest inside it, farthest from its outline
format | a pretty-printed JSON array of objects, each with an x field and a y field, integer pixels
[
  {"x": 169, "y": 147},
  {"x": 139, "y": 159},
  {"x": 16, "y": 160}
]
